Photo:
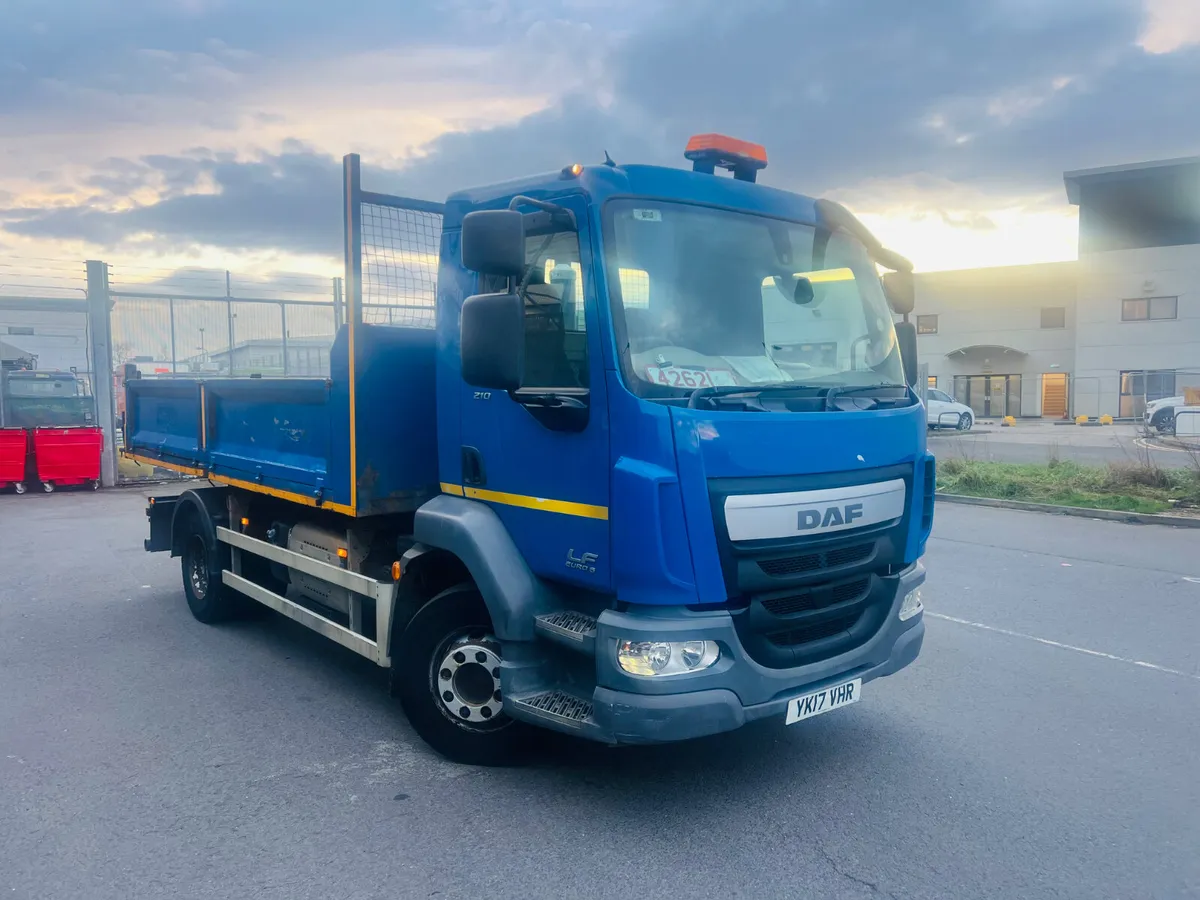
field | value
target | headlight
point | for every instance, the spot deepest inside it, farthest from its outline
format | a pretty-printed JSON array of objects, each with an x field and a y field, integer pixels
[
  {"x": 911, "y": 605},
  {"x": 666, "y": 657}
]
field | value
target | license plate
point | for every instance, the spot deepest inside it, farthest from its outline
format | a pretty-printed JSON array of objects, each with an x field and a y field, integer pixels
[
  {"x": 818, "y": 702},
  {"x": 673, "y": 376}
]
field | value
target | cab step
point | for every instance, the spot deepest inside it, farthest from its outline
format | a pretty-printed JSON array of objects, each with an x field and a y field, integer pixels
[
  {"x": 556, "y": 707},
  {"x": 572, "y": 629}
]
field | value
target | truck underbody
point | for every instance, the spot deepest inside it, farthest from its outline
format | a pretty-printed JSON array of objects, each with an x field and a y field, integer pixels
[{"x": 472, "y": 684}]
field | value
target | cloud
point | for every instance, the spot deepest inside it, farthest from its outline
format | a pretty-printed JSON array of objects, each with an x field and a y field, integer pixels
[
  {"x": 291, "y": 200},
  {"x": 960, "y": 115}
]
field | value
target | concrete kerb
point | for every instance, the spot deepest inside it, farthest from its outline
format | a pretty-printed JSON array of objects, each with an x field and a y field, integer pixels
[{"x": 1112, "y": 515}]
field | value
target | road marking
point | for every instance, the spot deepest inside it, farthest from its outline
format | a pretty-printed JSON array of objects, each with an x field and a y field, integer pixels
[
  {"x": 1146, "y": 445},
  {"x": 1062, "y": 646}
]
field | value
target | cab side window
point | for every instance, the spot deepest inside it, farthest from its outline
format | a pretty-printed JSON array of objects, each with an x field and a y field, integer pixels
[{"x": 555, "y": 334}]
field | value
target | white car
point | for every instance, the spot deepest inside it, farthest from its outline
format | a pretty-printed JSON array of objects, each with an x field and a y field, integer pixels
[
  {"x": 943, "y": 411},
  {"x": 1160, "y": 414}
]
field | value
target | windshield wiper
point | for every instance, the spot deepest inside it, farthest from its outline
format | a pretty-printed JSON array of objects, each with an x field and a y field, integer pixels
[
  {"x": 729, "y": 390},
  {"x": 835, "y": 392}
]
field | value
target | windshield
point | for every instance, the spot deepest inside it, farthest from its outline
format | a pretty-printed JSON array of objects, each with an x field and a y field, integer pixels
[
  {"x": 42, "y": 386},
  {"x": 711, "y": 298}
]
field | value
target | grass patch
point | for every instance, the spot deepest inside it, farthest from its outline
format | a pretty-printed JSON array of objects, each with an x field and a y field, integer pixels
[{"x": 1127, "y": 487}]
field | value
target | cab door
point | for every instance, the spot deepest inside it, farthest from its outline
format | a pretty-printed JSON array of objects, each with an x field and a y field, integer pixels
[{"x": 539, "y": 459}]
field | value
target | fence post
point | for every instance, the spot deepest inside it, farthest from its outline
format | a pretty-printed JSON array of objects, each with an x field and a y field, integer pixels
[
  {"x": 99, "y": 311},
  {"x": 174, "y": 354},
  {"x": 283, "y": 340},
  {"x": 339, "y": 314}
]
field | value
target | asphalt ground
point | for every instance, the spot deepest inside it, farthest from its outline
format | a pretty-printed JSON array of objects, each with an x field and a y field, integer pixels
[{"x": 1043, "y": 746}]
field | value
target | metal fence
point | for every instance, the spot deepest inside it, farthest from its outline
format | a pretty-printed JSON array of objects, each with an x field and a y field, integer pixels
[
  {"x": 44, "y": 329},
  {"x": 392, "y": 247},
  {"x": 170, "y": 332}
]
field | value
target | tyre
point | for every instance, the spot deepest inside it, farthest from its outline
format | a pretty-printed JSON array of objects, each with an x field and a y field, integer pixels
[
  {"x": 446, "y": 672},
  {"x": 965, "y": 421},
  {"x": 19, "y": 487},
  {"x": 1166, "y": 423},
  {"x": 208, "y": 599},
  {"x": 48, "y": 487}
]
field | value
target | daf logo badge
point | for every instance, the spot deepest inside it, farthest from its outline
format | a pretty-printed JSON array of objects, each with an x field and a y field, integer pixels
[{"x": 808, "y": 519}]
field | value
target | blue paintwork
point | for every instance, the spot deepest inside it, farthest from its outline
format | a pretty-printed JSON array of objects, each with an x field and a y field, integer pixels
[
  {"x": 292, "y": 434},
  {"x": 660, "y": 534},
  {"x": 648, "y": 464}
]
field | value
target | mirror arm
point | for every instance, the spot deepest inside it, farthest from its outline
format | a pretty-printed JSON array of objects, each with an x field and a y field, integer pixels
[{"x": 557, "y": 215}]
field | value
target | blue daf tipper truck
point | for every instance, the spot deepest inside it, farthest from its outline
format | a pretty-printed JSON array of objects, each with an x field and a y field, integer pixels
[{"x": 656, "y": 468}]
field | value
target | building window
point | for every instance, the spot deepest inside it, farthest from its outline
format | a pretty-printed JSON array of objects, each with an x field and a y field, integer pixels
[
  {"x": 927, "y": 325},
  {"x": 1139, "y": 387},
  {"x": 1054, "y": 317},
  {"x": 932, "y": 382},
  {"x": 1149, "y": 308},
  {"x": 20, "y": 329}
]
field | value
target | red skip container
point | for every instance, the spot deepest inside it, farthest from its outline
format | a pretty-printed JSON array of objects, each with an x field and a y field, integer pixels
[
  {"x": 65, "y": 456},
  {"x": 14, "y": 444}
]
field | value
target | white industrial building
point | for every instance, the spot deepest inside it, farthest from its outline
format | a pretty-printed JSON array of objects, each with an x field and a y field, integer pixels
[{"x": 1102, "y": 335}]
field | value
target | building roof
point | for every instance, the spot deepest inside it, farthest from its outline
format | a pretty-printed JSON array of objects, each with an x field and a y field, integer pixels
[{"x": 1129, "y": 172}]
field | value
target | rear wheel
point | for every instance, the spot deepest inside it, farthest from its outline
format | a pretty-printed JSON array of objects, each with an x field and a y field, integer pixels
[
  {"x": 19, "y": 487},
  {"x": 208, "y": 599},
  {"x": 48, "y": 487},
  {"x": 446, "y": 672}
]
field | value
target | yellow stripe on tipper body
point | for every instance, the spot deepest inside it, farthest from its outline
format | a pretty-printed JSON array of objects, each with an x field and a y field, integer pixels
[
  {"x": 244, "y": 485},
  {"x": 562, "y": 507}
]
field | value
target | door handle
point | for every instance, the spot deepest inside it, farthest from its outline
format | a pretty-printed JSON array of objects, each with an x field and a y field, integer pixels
[{"x": 472, "y": 467}]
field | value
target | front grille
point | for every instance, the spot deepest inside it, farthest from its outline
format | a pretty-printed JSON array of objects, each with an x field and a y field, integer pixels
[
  {"x": 806, "y": 634},
  {"x": 812, "y": 562},
  {"x": 818, "y": 597}
]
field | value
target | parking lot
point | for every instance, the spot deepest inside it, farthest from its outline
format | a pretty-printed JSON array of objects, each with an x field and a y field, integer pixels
[
  {"x": 1044, "y": 745},
  {"x": 1037, "y": 441}
]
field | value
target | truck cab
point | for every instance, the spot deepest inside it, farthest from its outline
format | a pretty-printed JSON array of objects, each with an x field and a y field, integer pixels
[
  {"x": 682, "y": 398},
  {"x": 657, "y": 471}
]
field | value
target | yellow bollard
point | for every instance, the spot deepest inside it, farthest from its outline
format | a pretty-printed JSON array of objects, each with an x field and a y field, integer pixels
[
  {"x": 1106, "y": 420},
  {"x": 1008, "y": 422},
  {"x": 1081, "y": 420}
]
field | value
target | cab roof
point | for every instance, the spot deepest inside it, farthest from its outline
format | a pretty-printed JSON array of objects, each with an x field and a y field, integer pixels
[{"x": 600, "y": 182}]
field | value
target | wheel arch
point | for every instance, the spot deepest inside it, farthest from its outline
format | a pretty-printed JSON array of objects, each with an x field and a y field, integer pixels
[
  {"x": 205, "y": 506},
  {"x": 471, "y": 533}
]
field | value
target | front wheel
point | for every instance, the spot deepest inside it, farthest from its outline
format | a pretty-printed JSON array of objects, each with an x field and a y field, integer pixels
[
  {"x": 19, "y": 487},
  {"x": 48, "y": 487},
  {"x": 965, "y": 421},
  {"x": 446, "y": 672},
  {"x": 1166, "y": 424}
]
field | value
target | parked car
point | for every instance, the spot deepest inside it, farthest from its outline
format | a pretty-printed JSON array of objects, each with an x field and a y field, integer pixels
[
  {"x": 943, "y": 411},
  {"x": 1160, "y": 414}
]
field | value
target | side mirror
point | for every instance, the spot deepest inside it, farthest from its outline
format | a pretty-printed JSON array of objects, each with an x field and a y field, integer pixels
[
  {"x": 493, "y": 242},
  {"x": 906, "y": 337},
  {"x": 900, "y": 293},
  {"x": 492, "y": 340}
]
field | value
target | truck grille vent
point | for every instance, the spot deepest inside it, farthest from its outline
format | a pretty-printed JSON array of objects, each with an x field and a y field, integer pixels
[
  {"x": 806, "y": 634},
  {"x": 812, "y": 562},
  {"x": 818, "y": 598}
]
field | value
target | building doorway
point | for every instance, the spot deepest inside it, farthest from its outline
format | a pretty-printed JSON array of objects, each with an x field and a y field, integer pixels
[
  {"x": 1054, "y": 395},
  {"x": 989, "y": 396}
]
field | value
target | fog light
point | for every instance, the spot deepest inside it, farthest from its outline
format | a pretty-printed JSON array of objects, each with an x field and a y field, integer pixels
[
  {"x": 666, "y": 657},
  {"x": 911, "y": 605}
]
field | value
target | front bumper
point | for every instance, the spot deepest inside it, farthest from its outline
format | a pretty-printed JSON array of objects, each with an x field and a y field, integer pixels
[{"x": 636, "y": 710}]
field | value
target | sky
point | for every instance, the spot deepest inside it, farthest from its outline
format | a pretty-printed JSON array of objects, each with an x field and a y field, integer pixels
[{"x": 198, "y": 134}]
